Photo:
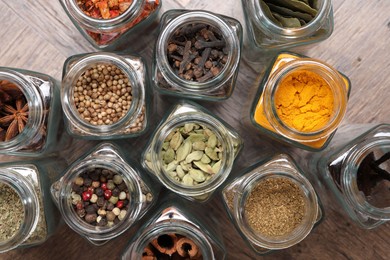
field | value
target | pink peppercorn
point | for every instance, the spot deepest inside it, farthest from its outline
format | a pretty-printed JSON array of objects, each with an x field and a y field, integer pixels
[
  {"x": 103, "y": 186},
  {"x": 119, "y": 204},
  {"x": 87, "y": 195},
  {"x": 107, "y": 194}
]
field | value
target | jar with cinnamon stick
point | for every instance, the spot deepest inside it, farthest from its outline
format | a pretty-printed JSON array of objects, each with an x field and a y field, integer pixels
[
  {"x": 171, "y": 234},
  {"x": 29, "y": 113}
]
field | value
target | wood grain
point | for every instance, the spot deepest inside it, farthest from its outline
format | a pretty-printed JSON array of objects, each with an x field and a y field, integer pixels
[{"x": 37, "y": 35}]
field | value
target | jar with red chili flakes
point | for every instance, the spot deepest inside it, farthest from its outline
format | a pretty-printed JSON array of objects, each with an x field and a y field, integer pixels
[{"x": 104, "y": 22}]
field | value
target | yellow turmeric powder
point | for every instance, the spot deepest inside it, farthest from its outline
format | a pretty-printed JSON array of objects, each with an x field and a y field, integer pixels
[{"x": 304, "y": 101}]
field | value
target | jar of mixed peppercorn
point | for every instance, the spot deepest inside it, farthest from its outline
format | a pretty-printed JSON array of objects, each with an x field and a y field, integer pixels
[{"x": 104, "y": 22}]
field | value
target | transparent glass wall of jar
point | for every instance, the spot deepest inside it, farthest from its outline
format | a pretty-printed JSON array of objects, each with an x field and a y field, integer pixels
[
  {"x": 102, "y": 194},
  {"x": 118, "y": 22},
  {"x": 185, "y": 158},
  {"x": 171, "y": 231},
  {"x": 31, "y": 182},
  {"x": 196, "y": 77},
  {"x": 355, "y": 168},
  {"x": 237, "y": 196},
  {"x": 89, "y": 103},
  {"x": 30, "y": 113},
  {"x": 264, "y": 113},
  {"x": 266, "y": 34}
]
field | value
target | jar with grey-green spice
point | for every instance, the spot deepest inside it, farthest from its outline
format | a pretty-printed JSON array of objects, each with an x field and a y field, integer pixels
[
  {"x": 27, "y": 217},
  {"x": 192, "y": 152}
]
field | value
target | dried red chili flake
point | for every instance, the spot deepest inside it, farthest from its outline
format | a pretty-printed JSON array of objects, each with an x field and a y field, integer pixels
[{"x": 104, "y": 9}]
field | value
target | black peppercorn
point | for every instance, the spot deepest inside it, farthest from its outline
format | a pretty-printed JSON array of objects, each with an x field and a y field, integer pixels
[{"x": 99, "y": 192}]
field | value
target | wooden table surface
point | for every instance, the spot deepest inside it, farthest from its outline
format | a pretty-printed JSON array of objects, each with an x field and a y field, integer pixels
[{"x": 38, "y": 36}]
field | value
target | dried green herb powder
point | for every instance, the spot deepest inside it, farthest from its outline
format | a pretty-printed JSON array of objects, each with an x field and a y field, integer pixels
[
  {"x": 11, "y": 212},
  {"x": 275, "y": 207}
]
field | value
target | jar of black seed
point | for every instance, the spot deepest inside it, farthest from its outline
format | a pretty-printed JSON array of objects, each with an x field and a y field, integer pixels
[
  {"x": 192, "y": 152},
  {"x": 105, "y": 96},
  {"x": 197, "y": 55},
  {"x": 28, "y": 215},
  {"x": 102, "y": 194},
  {"x": 171, "y": 233},
  {"x": 29, "y": 113},
  {"x": 356, "y": 169},
  {"x": 273, "y": 204}
]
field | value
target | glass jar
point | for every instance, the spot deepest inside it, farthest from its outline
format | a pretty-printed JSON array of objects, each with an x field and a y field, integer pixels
[
  {"x": 264, "y": 34},
  {"x": 133, "y": 123},
  {"x": 352, "y": 168},
  {"x": 104, "y": 157},
  {"x": 170, "y": 221},
  {"x": 220, "y": 84},
  {"x": 37, "y": 97},
  {"x": 31, "y": 184},
  {"x": 280, "y": 167},
  {"x": 106, "y": 33},
  {"x": 186, "y": 114},
  {"x": 264, "y": 112}
]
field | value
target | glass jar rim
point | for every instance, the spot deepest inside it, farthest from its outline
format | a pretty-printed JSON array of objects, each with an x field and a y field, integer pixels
[
  {"x": 31, "y": 207},
  {"x": 334, "y": 81},
  {"x": 205, "y": 17},
  {"x": 77, "y": 69},
  {"x": 300, "y": 232}
]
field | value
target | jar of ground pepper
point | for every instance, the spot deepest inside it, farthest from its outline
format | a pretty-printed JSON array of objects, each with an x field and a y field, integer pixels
[
  {"x": 197, "y": 55},
  {"x": 170, "y": 233},
  {"x": 356, "y": 169},
  {"x": 105, "y": 96},
  {"x": 191, "y": 152},
  {"x": 104, "y": 23},
  {"x": 300, "y": 101},
  {"x": 29, "y": 113},
  {"x": 273, "y": 204},
  {"x": 276, "y": 25},
  {"x": 102, "y": 194},
  {"x": 28, "y": 215}
]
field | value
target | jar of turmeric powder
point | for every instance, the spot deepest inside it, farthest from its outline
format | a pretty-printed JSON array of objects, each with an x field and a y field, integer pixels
[{"x": 300, "y": 101}]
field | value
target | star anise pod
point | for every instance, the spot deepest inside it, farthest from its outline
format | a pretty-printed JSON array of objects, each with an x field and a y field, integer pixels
[{"x": 14, "y": 117}]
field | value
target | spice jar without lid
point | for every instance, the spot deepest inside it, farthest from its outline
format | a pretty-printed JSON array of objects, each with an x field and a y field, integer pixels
[
  {"x": 110, "y": 32},
  {"x": 30, "y": 113},
  {"x": 189, "y": 125},
  {"x": 172, "y": 220},
  {"x": 207, "y": 72},
  {"x": 79, "y": 202},
  {"x": 355, "y": 168},
  {"x": 264, "y": 34},
  {"x": 37, "y": 216},
  {"x": 281, "y": 189},
  {"x": 300, "y": 101},
  {"x": 100, "y": 99}
]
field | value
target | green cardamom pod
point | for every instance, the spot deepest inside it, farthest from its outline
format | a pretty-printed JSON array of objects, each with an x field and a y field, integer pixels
[
  {"x": 187, "y": 180},
  {"x": 205, "y": 159},
  {"x": 204, "y": 167},
  {"x": 197, "y": 175},
  {"x": 199, "y": 145},
  {"x": 169, "y": 156},
  {"x": 216, "y": 167},
  {"x": 211, "y": 153},
  {"x": 212, "y": 142},
  {"x": 184, "y": 150},
  {"x": 176, "y": 141},
  {"x": 194, "y": 156}
]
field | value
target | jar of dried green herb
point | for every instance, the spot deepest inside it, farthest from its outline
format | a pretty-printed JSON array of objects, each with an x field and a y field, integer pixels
[
  {"x": 275, "y": 25},
  {"x": 171, "y": 233},
  {"x": 197, "y": 55},
  {"x": 105, "y": 96},
  {"x": 191, "y": 152},
  {"x": 28, "y": 214},
  {"x": 29, "y": 113},
  {"x": 273, "y": 204},
  {"x": 356, "y": 169},
  {"x": 102, "y": 194}
]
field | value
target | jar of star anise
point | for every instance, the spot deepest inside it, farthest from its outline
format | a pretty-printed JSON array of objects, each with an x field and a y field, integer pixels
[
  {"x": 29, "y": 112},
  {"x": 104, "y": 22}
]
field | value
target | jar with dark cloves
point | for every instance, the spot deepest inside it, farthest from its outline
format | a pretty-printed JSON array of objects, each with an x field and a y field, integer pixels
[
  {"x": 356, "y": 169},
  {"x": 105, "y": 96},
  {"x": 102, "y": 194},
  {"x": 273, "y": 204},
  {"x": 197, "y": 55},
  {"x": 173, "y": 234},
  {"x": 106, "y": 25},
  {"x": 29, "y": 113},
  {"x": 191, "y": 152}
]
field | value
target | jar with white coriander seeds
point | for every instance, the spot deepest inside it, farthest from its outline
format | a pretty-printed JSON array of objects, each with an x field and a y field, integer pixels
[
  {"x": 191, "y": 152},
  {"x": 105, "y": 96},
  {"x": 197, "y": 55},
  {"x": 102, "y": 194},
  {"x": 273, "y": 205}
]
